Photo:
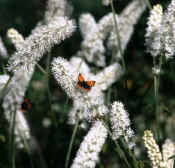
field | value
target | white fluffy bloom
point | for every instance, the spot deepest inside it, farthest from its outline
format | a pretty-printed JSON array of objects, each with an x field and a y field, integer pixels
[
  {"x": 16, "y": 38},
  {"x": 55, "y": 8},
  {"x": 106, "y": 2},
  {"x": 153, "y": 150},
  {"x": 121, "y": 123},
  {"x": 106, "y": 25},
  {"x": 40, "y": 41},
  {"x": 127, "y": 20},
  {"x": 22, "y": 130},
  {"x": 62, "y": 71},
  {"x": 168, "y": 150},
  {"x": 12, "y": 102},
  {"x": 168, "y": 29},
  {"x": 87, "y": 155},
  {"x": 153, "y": 32},
  {"x": 87, "y": 24},
  {"x": 92, "y": 46},
  {"x": 3, "y": 50},
  {"x": 3, "y": 81},
  {"x": 109, "y": 75}
]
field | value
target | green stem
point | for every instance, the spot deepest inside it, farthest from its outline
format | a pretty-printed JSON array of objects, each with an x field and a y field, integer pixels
[
  {"x": 41, "y": 69},
  {"x": 118, "y": 150},
  {"x": 156, "y": 93},
  {"x": 12, "y": 137},
  {"x": 118, "y": 35},
  {"x": 26, "y": 146},
  {"x": 156, "y": 99},
  {"x": 131, "y": 153},
  {"x": 148, "y": 4},
  {"x": 48, "y": 89},
  {"x": 71, "y": 143}
]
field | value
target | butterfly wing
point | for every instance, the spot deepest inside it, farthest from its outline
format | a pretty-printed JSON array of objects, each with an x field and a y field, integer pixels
[
  {"x": 80, "y": 77},
  {"x": 90, "y": 83}
]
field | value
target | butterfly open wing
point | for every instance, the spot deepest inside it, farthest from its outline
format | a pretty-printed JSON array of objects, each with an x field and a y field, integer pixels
[
  {"x": 80, "y": 78},
  {"x": 90, "y": 83}
]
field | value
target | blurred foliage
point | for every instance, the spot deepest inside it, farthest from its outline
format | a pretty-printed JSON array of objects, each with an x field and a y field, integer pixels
[{"x": 138, "y": 96}]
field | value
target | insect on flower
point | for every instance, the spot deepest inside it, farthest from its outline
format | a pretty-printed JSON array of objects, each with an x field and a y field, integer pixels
[
  {"x": 86, "y": 85},
  {"x": 25, "y": 105}
]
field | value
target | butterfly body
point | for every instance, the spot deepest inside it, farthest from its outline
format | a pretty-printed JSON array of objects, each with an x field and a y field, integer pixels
[
  {"x": 25, "y": 105},
  {"x": 86, "y": 85}
]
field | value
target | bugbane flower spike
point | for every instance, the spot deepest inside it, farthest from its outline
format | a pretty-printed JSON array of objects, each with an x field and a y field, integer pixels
[
  {"x": 153, "y": 31},
  {"x": 16, "y": 38},
  {"x": 92, "y": 47},
  {"x": 87, "y": 155},
  {"x": 62, "y": 71},
  {"x": 3, "y": 81},
  {"x": 153, "y": 150},
  {"x": 168, "y": 150},
  {"x": 3, "y": 50},
  {"x": 168, "y": 30},
  {"x": 121, "y": 125},
  {"x": 126, "y": 22},
  {"x": 87, "y": 24},
  {"x": 40, "y": 41},
  {"x": 12, "y": 103},
  {"x": 55, "y": 8}
]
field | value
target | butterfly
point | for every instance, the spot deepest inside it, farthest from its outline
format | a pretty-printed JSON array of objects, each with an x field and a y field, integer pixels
[
  {"x": 86, "y": 85},
  {"x": 25, "y": 105}
]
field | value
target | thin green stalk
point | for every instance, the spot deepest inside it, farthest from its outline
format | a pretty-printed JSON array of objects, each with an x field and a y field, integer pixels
[
  {"x": 148, "y": 4},
  {"x": 12, "y": 137},
  {"x": 118, "y": 35},
  {"x": 118, "y": 150},
  {"x": 156, "y": 100},
  {"x": 109, "y": 95},
  {"x": 48, "y": 89},
  {"x": 66, "y": 103},
  {"x": 71, "y": 143},
  {"x": 3, "y": 68},
  {"x": 41, "y": 69},
  {"x": 26, "y": 146},
  {"x": 131, "y": 153}
]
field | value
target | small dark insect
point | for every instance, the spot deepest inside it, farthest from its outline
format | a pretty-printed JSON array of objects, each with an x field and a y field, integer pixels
[
  {"x": 25, "y": 105},
  {"x": 86, "y": 85}
]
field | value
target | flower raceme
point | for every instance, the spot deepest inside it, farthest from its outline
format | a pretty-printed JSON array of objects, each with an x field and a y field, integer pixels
[
  {"x": 87, "y": 155},
  {"x": 86, "y": 104},
  {"x": 120, "y": 122}
]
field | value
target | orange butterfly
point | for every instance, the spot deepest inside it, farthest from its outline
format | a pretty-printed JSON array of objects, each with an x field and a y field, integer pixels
[{"x": 86, "y": 85}]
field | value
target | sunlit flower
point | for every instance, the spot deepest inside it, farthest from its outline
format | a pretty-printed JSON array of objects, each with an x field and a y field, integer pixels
[
  {"x": 16, "y": 38},
  {"x": 55, "y": 8},
  {"x": 126, "y": 22},
  {"x": 3, "y": 50},
  {"x": 40, "y": 41},
  {"x": 87, "y": 155},
  {"x": 153, "y": 150},
  {"x": 153, "y": 32},
  {"x": 120, "y": 122},
  {"x": 3, "y": 81},
  {"x": 168, "y": 150},
  {"x": 168, "y": 31}
]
